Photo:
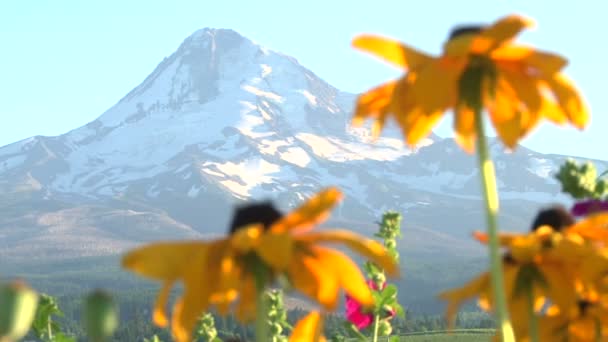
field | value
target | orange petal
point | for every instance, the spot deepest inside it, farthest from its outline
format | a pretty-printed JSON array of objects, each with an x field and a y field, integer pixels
[
  {"x": 464, "y": 128},
  {"x": 374, "y": 103},
  {"x": 276, "y": 249},
  {"x": 435, "y": 86},
  {"x": 348, "y": 274},
  {"x": 500, "y": 32},
  {"x": 569, "y": 100},
  {"x": 370, "y": 249},
  {"x": 456, "y": 297},
  {"x": 526, "y": 57},
  {"x": 159, "y": 316},
  {"x": 392, "y": 51},
  {"x": 197, "y": 291},
  {"x": 511, "y": 120},
  {"x": 247, "y": 305},
  {"x": 313, "y": 278},
  {"x": 427, "y": 94},
  {"x": 163, "y": 261},
  {"x": 504, "y": 239},
  {"x": 312, "y": 212},
  {"x": 593, "y": 227},
  {"x": 308, "y": 329},
  {"x": 417, "y": 124}
]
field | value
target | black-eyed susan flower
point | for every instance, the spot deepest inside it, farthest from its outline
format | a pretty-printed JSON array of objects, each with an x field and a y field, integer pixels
[
  {"x": 480, "y": 67},
  {"x": 553, "y": 265},
  {"x": 586, "y": 322},
  {"x": 262, "y": 245}
]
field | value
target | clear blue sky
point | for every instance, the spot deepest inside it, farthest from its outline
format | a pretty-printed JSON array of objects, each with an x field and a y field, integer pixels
[{"x": 63, "y": 63}]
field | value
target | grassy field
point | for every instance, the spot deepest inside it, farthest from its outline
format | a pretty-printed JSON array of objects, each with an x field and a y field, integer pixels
[
  {"x": 460, "y": 335},
  {"x": 456, "y": 337}
]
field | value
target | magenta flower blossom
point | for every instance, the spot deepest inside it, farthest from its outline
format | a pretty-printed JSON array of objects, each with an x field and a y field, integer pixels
[
  {"x": 585, "y": 208},
  {"x": 355, "y": 313}
]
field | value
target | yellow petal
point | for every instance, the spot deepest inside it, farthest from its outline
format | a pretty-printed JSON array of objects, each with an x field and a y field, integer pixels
[
  {"x": 197, "y": 291},
  {"x": 504, "y": 239},
  {"x": 159, "y": 317},
  {"x": 304, "y": 279},
  {"x": 162, "y": 261},
  {"x": 308, "y": 329},
  {"x": 500, "y": 32},
  {"x": 417, "y": 124},
  {"x": 459, "y": 46},
  {"x": 435, "y": 86},
  {"x": 510, "y": 119},
  {"x": 246, "y": 238},
  {"x": 561, "y": 290},
  {"x": 392, "y": 51},
  {"x": 374, "y": 103},
  {"x": 425, "y": 97},
  {"x": 228, "y": 282},
  {"x": 247, "y": 305},
  {"x": 593, "y": 227},
  {"x": 179, "y": 332},
  {"x": 312, "y": 212},
  {"x": 525, "y": 58},
  {"x": 348, "y": 274},
  {"x": 464, "y": 128},
  {"x": 309, "y": 275},
  {"x": 456, "y": 297},
  {"x": 370, "y": 249},
  {"x": 569, "y": 100},
  {"x": 276, "y": 249}
]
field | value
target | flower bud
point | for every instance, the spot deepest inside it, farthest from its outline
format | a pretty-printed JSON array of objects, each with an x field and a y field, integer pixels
[
  {"x": 276, "y": 329},
  {"x": 379, "y": 279},
  {"x": 390, "y": 243},
  {"x": 17, "y": 310},
  {"x": 100, "y": 316},
  {"x": 384, "y": 328}
]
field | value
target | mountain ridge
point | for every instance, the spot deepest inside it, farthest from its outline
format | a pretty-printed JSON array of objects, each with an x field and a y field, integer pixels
[{"x": 223, "y": 120}]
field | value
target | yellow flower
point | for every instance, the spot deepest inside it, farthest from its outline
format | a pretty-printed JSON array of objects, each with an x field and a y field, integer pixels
[
  {"x": 519, "y": 85},
  {"x": 556, "y": 267},
  {"x": 262, "y": 244},
  {"x": 587, "y": 322}
]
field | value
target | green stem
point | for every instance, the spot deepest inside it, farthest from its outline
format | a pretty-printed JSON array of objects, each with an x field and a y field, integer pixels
[
  {"x": 598, "y": 330},
  {"x": 488, "y": 177},
  {"x": 534, "y": 337},
  {"x": 376, "y": 324},
  {"x": 261, "y": 322},
  {"x": 49, "y": 329}
]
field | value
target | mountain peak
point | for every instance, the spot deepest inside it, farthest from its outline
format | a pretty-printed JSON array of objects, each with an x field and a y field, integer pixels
[{"x": 217, "y": 40}]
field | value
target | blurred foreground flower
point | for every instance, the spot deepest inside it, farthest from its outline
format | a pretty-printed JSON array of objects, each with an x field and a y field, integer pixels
[
  {"x": 262, "y": 245},
  {"x": 17, "y": 310},
  {"x": 480, "y": 66},
  {"x": 588, "y": 207},
  {"x": 554, "y": 265},
  {"x": 100, "y": 316}
]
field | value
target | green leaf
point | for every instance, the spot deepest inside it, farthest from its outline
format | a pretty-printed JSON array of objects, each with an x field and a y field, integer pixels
[
  {"x": 60, "y": 337},
  {"x": 580, "y": 181}
]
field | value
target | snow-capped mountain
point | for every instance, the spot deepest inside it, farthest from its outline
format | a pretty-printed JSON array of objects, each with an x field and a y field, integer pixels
[{"x": 223, "y": 120}]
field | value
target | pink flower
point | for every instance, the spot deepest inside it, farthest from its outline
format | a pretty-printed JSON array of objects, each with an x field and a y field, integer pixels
[
  {"x": 585, "y": 208},
  {"x": 355, "y": 313}
]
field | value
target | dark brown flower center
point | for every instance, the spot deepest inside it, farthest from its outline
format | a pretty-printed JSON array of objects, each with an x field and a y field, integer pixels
[
  {"x": 462, "y": 30},
  {"x": 556, "y": 217},
  {"x": 255, "y": 213},
  {"x": 583, "y": 306}
]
